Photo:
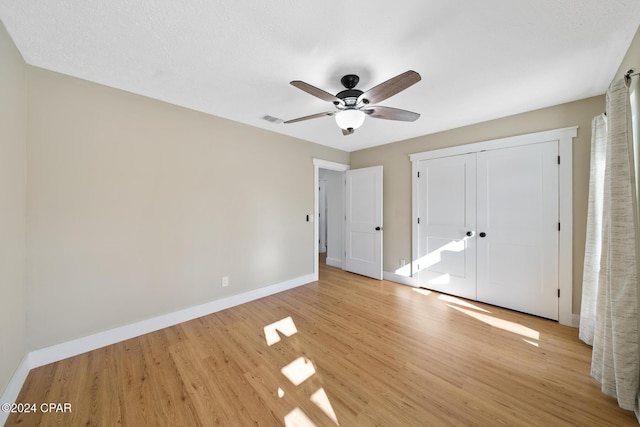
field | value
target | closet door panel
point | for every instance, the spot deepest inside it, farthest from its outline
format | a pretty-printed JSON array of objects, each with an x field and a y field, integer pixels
[
  {"x": 446, "y": 260},
  {"x": 518, "y": 217}
]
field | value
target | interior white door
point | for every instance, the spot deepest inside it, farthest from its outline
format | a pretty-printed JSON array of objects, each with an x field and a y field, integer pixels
[
  {"x": 517, "y": 224},
  {"x": 363, "y": 225},
  {"x": 446, "y": 260}
]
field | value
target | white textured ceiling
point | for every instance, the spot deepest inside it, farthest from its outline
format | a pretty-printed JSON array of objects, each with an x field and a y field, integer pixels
[{"x": 479, "y": 60}]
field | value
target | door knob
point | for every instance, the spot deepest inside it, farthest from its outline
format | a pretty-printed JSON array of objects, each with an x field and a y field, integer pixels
[
  {"x": 378, "y": 228},
  {"x": 469, "y": 233},
  {"x": 483, "y": 234}
]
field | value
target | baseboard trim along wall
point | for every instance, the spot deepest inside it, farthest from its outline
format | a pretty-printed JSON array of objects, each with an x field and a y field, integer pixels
[
  {"x": 54, "y": 353},
  {"x": 13, "y": 388},
  {"x": 334, "y": 262}
]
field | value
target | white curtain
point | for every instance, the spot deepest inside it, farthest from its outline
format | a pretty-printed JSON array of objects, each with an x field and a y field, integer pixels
[
  {"x": 609, "y": 315},
  {"x": 593, "y": 247},
  {"x": 634, "y": 98}
]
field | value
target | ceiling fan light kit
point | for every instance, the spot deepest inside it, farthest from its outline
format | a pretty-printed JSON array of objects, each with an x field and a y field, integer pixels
[
  {"x": 353, "y": 105},
  {"x": 350, "y": 119}
]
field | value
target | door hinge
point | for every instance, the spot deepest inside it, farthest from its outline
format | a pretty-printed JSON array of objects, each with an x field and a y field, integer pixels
[
  {"x": 558, "y": 159},
  {"x": 418, "y": 174},
  {"x": 558, "y": 226},
  {"x": 418, "y": 220},
  {"x": 558, "y": 293}
]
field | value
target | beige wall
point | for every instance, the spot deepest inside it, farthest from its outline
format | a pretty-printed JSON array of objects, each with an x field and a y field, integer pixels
[
  {"x": 397, "y": 172},
  {"x": 13, "y": 143},
  {"x": 137, "y": 208}
]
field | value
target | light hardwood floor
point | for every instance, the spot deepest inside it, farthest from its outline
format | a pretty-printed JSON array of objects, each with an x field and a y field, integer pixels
[{"x": 351, "y": 352}]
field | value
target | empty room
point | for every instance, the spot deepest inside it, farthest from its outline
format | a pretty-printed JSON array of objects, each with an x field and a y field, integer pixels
[{"x": 318, "y": 214}]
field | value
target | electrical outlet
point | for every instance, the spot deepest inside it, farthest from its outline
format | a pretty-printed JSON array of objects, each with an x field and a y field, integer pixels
[
  {"x": 225, "y": 281},
  {"x": 403, "y": 262}
]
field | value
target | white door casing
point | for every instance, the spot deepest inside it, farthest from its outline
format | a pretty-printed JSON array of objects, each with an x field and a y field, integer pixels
[{"x": 363, "y": 225}]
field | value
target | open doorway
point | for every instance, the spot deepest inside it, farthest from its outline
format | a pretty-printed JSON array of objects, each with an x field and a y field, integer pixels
[
  {"x": 329, "y": 213},
  {"x": 330, "y": 216}
]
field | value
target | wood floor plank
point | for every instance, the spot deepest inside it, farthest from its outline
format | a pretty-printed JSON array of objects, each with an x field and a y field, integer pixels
[{"x": 363, "y": 353}]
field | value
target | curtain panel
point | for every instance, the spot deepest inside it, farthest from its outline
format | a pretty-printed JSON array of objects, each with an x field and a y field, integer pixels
[
  {"x": 610, "y": 287},
  {"x": 593, "y": 248}
]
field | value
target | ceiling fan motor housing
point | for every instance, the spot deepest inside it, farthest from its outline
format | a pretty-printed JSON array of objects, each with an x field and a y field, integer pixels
[{"x": 350, "y": 95}]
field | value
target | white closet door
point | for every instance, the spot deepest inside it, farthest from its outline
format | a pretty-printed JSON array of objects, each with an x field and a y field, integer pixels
[
  {"x": 518, "y": 217},
  {"x": 446, "y": 261}
]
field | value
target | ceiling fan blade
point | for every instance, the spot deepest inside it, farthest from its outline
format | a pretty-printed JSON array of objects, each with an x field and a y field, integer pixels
[
  {"x": 318, "y": 93},
  {"x": 389, "y": 113},
  {"x": 349, "y": 131},
  {"x": 312, "y": 116},
  {"x": 389, "y": 88}
]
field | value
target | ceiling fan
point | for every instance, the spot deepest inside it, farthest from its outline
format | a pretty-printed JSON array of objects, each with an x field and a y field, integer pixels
[{"x": 353, "y": 105}]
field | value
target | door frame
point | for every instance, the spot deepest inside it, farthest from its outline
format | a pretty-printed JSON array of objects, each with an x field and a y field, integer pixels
[
  {"x": 317, "y": 165},
  {"x": 564, "y": 136}
]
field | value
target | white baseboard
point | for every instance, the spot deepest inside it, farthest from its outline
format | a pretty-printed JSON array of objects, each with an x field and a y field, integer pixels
[
  {"x": 78, "y": 346},
  {"x": 403, "y": 280},
  {"x": 334, "y": 262},
  {"x": 71, "y": 348},
  {"x": 10, "y": 393}
]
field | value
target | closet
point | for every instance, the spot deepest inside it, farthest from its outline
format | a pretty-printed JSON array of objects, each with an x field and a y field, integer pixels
[{"x": 488, "y": 223}]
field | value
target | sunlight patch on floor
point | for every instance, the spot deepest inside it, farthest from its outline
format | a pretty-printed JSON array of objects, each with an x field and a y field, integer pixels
[
  {"x": 458, "y": 301},
  {"x": 422, "y": 291},
  {"x": 299, "y": 370},
  {"x": 297, "y": 418},
  {"x": 321, "y": 400},
  {"x": 284, "y": 326},
  {"x": 506, "y": 325}
]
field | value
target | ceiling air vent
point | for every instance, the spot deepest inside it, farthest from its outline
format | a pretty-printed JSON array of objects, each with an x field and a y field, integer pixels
[{"x": 271, "y": 119}]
